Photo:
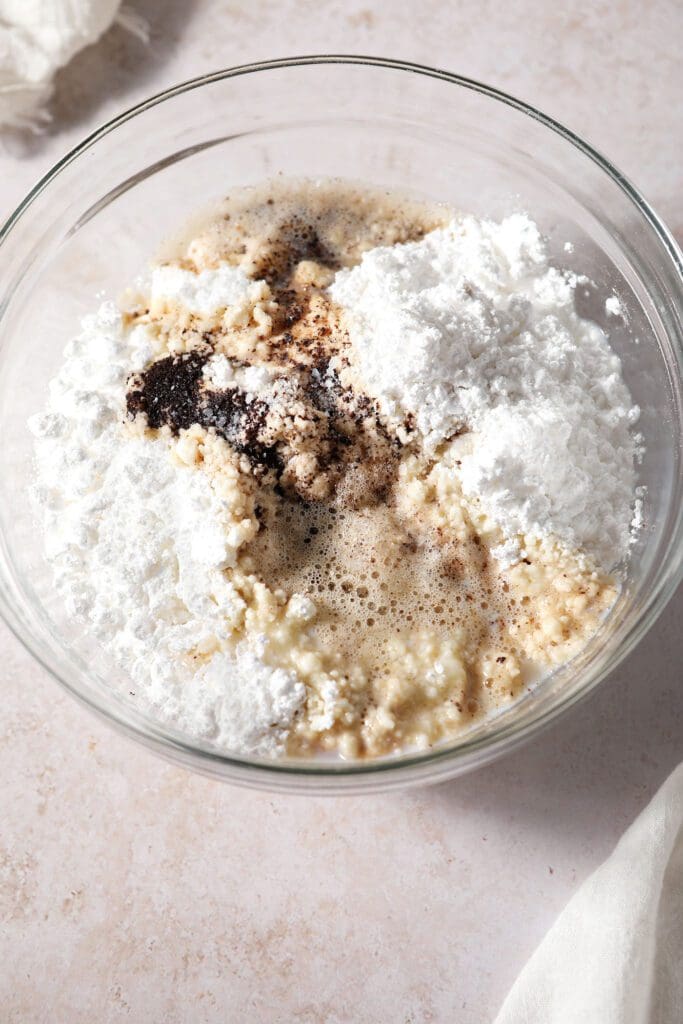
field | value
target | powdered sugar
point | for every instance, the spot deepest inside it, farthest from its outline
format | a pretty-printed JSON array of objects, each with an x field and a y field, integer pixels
[
  {"x": 138, "y": 544},
  {"x": 220, "y": 373},
  {"x": 206, "y": 293},
  {"x": 613, "y": 306},
  {"x": 471, "y": 328}
]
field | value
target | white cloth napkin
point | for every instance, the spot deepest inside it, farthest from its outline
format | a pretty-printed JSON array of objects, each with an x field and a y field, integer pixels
[
  {"x": 615, "y": 954},
  {"x": 37, "y": 37}
]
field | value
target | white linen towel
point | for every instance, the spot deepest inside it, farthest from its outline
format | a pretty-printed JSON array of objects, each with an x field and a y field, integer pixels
[
  {"x": 615, "y": 954},
  {"x": 37, "y": 37}
]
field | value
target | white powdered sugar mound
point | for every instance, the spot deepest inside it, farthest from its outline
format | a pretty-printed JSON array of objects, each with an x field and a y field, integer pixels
[
  {"x": 471, "y": 328},
  {"x": 138, "y": 545},
  {"x": 206, "y": 293},
  {"x": 221, "y": 373}
]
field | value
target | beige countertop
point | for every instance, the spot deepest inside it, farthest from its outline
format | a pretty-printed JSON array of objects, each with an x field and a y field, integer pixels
[{"x": 133, "y": 891}]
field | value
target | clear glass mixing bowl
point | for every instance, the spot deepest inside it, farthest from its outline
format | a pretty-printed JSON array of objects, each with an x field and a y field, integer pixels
[{"x": 91, "y": 223}]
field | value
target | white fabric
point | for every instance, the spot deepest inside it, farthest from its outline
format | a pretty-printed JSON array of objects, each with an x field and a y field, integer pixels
[
  {"x": 37, "y": 37},
  {"x": 615, "y": 954}
]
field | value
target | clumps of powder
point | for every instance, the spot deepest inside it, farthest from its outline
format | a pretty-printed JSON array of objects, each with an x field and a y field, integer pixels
[
  {"x": 220, "y": 373},
  {"x": 613, "y": 306},
  {"x": 470, "y": 329},
  {"x": 203, "y": 294},
  {"x": 170, "y": 393},
  {"x": 138, "y": 544}
]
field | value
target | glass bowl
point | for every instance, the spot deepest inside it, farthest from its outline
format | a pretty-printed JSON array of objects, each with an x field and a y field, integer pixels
[{"x": 91, "y": 224}]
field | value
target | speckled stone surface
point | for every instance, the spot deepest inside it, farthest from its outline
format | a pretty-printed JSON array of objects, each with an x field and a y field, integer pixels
[{"x": 133, "y": 891}]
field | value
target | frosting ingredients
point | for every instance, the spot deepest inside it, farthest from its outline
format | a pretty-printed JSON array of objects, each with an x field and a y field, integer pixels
[{"x": 345, "y": 472}]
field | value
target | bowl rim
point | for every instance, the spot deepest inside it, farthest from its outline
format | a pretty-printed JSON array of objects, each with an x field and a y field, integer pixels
[{"x": 340, "y": 777}]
